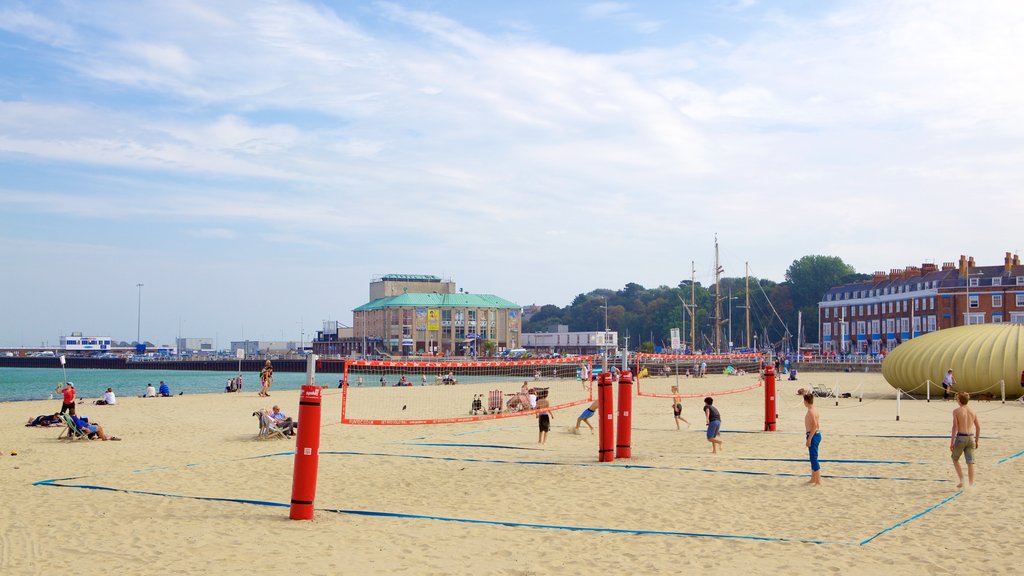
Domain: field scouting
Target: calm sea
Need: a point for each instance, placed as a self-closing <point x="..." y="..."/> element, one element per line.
<point x="38" y="383"/>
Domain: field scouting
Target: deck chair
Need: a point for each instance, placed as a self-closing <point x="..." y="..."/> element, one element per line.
<point x="821" y="391"/>
<point x="71" y="432"/>
<point x="268" y="429"/>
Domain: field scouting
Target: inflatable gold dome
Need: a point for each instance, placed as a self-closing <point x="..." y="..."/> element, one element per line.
<point x="980" y="356"/>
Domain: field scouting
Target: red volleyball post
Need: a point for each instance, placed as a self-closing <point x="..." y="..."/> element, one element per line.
<point x="769" y="398"/>
<point x="307" y="446"/>
<point x="625" y="421"/>
<point x="606" y="425"/>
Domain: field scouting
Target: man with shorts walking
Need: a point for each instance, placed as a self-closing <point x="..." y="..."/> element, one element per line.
<point x="713" y="419"/>
<point x="812" y="424"/>
<point x="964" y="420"/>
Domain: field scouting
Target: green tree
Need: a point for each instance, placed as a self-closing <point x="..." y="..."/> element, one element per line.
<point x="808" y="279"/>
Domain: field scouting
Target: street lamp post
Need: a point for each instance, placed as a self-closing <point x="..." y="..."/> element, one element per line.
<point x="138" y="323"/>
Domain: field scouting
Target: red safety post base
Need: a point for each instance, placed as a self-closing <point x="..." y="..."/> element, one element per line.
<point x="625" y="416"/>
<point x="606" y="425"/>
<point x="307" y="454"/>
<point x="769" y="398"/>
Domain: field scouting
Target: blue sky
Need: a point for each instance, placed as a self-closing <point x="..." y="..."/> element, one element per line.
<point x="255" y="164"/>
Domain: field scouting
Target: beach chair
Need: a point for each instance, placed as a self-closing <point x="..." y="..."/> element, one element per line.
<point x="821" y="391"/>
<point x="70" y="431"/>
<point x="268" y="429"/>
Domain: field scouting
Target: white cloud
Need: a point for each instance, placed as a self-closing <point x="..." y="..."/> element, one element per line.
<point x="438" y="143"/>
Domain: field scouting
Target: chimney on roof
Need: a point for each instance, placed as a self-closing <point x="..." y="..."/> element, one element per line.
<point x="948" y="266"/>
<point x="970" y="262"/>
<point x="963" y="266"/>
<point x="927" y="268"/>
<point x="1007" y="262"/>
<point x="877" y="277"/>
<point x="894" y="273"/>
<point x="1016" y="260"/>
<point x="911" y="272"/>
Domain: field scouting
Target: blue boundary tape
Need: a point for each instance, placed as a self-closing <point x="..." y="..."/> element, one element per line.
<point x="1008" y="458"/>
<point x="836" y="461"/>
<point x="61" y="483"/>
<point x="446" y="444"/>
<point x="629" y="466"/>
<point x="511" y="524"/>
<point x="914" y="517"/>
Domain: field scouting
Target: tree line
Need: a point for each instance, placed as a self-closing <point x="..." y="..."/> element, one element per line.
<point x="646" y="315"/>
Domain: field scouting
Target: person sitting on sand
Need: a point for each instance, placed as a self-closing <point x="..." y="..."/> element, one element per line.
<point x="92" y="430"/>
<point x="150" y="391"/>
<point x="165" y="390"/>
<point x="108" y="398"/>
<point x="46" y="420"/>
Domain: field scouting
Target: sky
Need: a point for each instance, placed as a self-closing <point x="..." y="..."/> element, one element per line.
<point x="254" y="164"/>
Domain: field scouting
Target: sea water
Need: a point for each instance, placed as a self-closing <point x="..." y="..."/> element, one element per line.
<point x="39" y="383"/>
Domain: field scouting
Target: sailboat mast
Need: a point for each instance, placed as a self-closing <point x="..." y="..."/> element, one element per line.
<point x="693" y="304"/>
<point x="718" y="302"/>
<point x="746" y="267"/>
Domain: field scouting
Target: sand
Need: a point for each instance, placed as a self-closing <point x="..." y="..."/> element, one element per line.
<point x="746" y="510"/>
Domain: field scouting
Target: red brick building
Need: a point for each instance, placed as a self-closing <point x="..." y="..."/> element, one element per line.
<point x="878" y="314"/>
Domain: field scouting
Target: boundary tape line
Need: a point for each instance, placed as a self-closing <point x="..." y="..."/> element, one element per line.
<point x="61" y="483"/>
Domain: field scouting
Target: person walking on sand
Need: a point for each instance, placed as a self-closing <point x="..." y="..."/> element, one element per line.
<point x="948" y="383"/>
<point x="68" y="391"/>
<point x="266" y="379"/>
<point x="677" y="407"/>
<point x="713" y="419"/>
<point x="964" y="420"/>
<point x="585" y="417"/>
<point x="812" y="424"/>
<point x="544" y="418"/>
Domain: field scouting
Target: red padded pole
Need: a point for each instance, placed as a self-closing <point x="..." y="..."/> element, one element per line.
<point x="769" y="398"/>
<point x="307" y="447"/>
<point x="625" y="416"/>
<point x="606" y="425"/>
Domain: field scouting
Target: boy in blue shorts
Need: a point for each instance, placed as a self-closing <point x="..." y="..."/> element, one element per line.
<point x="713" y="419"/>
<point x="585" y="417"/>
<point x="812" y="424"/>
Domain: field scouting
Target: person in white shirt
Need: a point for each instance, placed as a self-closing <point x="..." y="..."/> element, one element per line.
<point x="108" y="398"/>
<point x="150" y="391"/>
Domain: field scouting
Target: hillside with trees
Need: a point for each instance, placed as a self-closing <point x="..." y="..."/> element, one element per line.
<point x="646" y="315"/>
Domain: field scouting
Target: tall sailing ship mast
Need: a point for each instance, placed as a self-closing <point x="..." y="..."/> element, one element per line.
<point x="718" y="302"/>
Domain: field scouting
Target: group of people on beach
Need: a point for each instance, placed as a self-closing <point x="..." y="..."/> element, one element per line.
<point x="964" y="440"/>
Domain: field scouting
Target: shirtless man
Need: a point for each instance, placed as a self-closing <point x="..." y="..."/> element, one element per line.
<point x="963" y="420"/>
<point x="677" y="407"/>
<point x="812" y="424"/>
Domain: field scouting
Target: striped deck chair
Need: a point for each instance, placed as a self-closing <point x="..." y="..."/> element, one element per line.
<point x="71" y="432"/>
<point x="268" y="428"/>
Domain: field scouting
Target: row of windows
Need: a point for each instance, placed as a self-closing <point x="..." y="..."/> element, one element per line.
<point x="854" y="294"/>
<point x="974" y="301"/>
<point x="851" y="329"/>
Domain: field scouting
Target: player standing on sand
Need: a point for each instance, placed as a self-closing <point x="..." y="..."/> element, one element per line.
<point x="677" y="407"/>
<point x="812" y="424"/>
<point x="713" y="419"/>
<point x="964" y="419"/>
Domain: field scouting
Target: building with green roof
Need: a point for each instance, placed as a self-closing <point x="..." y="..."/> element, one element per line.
<point x="418" y="314"/>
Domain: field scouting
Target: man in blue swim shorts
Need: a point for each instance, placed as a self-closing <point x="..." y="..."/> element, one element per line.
<point x="714" y="421"/>
<point x="812" y="423"/>
<point x="585" y="417"/>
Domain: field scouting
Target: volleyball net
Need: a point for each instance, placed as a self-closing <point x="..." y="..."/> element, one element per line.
<point x="696" y="375"/>
<point x="381" y="392"/>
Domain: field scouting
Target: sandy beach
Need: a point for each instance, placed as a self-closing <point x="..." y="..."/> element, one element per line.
<point x="888" y="502"/>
